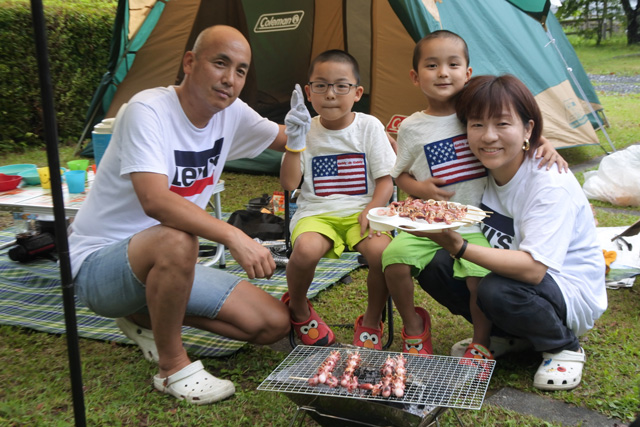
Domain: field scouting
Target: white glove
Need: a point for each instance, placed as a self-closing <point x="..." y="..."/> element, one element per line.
<point x="298" y="122"/>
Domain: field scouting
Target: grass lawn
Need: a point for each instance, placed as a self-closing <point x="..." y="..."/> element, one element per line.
<point x="34" y="372"/>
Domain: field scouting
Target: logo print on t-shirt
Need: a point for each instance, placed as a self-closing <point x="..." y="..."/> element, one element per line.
<point x="498" y="229"/>
<point x="194" y="170"/>
<point x="339" y="174"/>
<point x="452" y="160"/>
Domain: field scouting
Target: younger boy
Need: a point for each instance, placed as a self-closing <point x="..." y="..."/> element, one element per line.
<point x="344" y="164"/>
<point x="433" y="152"/>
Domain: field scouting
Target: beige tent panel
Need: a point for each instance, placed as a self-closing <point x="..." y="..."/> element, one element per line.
<point x="565" y="121"/>
<point x="359" y="38"/>
<point x="329" y="17"/>
<point x="138" y="11"/>
<point x="162" y="53"/>
<point x="392" y="91"/>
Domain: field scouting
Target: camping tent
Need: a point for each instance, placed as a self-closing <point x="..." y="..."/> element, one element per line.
<point x="150" y="38"/>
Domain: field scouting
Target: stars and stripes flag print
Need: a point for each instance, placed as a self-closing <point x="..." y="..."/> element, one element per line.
<point x="452" y="160"/>
<point x="339" y="174"/>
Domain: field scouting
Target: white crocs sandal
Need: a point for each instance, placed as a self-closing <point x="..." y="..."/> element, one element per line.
<point x="195" y="385"/>
<point x="499" y="346"/>
<point x="560" y="371"/>
<point x="141" y="336"/>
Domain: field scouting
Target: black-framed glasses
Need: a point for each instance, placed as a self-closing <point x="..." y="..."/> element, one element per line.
<point x="338" y="88"/>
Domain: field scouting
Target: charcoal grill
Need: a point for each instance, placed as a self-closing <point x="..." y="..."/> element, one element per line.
<point x="434" y="383"/>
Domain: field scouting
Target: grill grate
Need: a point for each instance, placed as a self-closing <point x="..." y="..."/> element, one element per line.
<point x="434" y="380"/>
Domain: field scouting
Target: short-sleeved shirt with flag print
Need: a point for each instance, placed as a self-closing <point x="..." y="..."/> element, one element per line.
<point x="340" y="167"/>
<point x="437" y="146"/>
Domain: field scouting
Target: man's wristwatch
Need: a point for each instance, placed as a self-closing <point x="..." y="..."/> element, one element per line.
<point x="461" y="251"/>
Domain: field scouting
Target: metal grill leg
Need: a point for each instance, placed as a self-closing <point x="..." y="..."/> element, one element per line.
<point x="295" y="416"/>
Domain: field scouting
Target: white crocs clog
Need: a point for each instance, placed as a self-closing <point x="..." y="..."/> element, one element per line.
<point x="195" y="385"/>
<point x="141" y="336"/>
<point x="560" y="371"/>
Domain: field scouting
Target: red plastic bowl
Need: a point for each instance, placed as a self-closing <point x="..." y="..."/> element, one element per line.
<point x="9" y="182"/>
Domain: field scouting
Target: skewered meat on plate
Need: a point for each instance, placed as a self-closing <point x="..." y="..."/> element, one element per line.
<point x="430" y="210"/>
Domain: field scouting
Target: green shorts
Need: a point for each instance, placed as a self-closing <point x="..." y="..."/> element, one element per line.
<point x="417" y="252"/>
<point x="342" y="231"/>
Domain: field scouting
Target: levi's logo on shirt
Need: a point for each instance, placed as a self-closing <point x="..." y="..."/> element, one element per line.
<point x="194" y="170"/>
<point x="498" y="229"/>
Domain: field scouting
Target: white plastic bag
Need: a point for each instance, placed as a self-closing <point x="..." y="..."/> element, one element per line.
<point x="617" y="180"/>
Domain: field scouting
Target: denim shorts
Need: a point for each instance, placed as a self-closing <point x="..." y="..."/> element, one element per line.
<point x="106" y="285"/>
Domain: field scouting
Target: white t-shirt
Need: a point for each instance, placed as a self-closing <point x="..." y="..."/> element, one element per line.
<point x="340" y="167"/>
<point x="546" y="214"/>
<point x="437" y="146"/>
<point x="154" y="135"/>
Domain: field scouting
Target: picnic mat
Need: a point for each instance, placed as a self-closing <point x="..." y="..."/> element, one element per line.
<point x="31" y="296"/>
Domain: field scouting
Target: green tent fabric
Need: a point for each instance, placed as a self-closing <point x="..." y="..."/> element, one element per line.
<point x="504" y="36"/>
<point x="538" y="9"/>
<point x="502" y="40"/>
<point x="121" y="58"/>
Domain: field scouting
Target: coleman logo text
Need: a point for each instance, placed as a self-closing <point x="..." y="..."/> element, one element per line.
<point x="283" y="21"/>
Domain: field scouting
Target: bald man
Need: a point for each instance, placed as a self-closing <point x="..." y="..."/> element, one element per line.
<point x="134" y="242"/>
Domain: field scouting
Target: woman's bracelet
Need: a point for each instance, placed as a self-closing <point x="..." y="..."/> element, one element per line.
<point x="461" y="251"/>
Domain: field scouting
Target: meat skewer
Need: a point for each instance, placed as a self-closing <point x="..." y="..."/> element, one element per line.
<point x="400" y="376"/>
<point x="393" y="380"/>
<point x="348" y="380"/>
<point x="324" y="375"/>
<point x="431" y="211"/>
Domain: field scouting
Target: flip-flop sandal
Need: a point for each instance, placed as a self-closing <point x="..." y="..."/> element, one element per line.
<point x="141" y="336"/>
<point x="195" y="385"/>
<point x="560" y="371"/>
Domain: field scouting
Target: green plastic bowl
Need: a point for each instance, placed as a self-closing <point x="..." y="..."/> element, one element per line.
<point x="30" y="176"/>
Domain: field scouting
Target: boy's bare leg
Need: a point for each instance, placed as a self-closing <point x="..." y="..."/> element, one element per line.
<point x="481" y="325"/>
<point x="377" y="291"/>
<point x="400" y="284"/>
<point x="307" y="251"/>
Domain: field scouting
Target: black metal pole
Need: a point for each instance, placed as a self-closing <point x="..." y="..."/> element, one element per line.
<point x="62" y="245"/>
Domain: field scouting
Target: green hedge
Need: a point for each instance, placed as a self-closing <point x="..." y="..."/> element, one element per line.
<point x="79" y="36"/>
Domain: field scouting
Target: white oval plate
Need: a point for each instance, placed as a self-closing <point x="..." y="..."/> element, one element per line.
<point x="387" y="223"/>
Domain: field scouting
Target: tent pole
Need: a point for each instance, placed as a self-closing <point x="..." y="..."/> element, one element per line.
<point x="552" y="41"/>
<point x="62" y="244"/>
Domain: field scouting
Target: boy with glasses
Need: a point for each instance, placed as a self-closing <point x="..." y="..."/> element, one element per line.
<point x="344" y="160"/>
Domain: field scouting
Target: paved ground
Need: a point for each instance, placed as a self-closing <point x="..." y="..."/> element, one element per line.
<point x="615" y="84"/>
<point x="549" y="410"/>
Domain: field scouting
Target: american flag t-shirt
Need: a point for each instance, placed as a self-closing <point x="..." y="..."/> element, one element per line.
<point x="452" y="160"/>
<point x="339" y="174"/>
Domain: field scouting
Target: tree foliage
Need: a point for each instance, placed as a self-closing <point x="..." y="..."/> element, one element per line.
<point x="633" y="21"/>
<point x="599" y="12"/>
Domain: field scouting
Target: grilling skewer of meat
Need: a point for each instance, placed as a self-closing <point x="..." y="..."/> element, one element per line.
<point x="324" y="374"/>
<point x="393" y="380"/>
<point x="348" y="380"/>
<point x="400" y="376"/>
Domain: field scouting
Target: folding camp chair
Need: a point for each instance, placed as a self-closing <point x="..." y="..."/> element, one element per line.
<point x="387" y="313"/>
